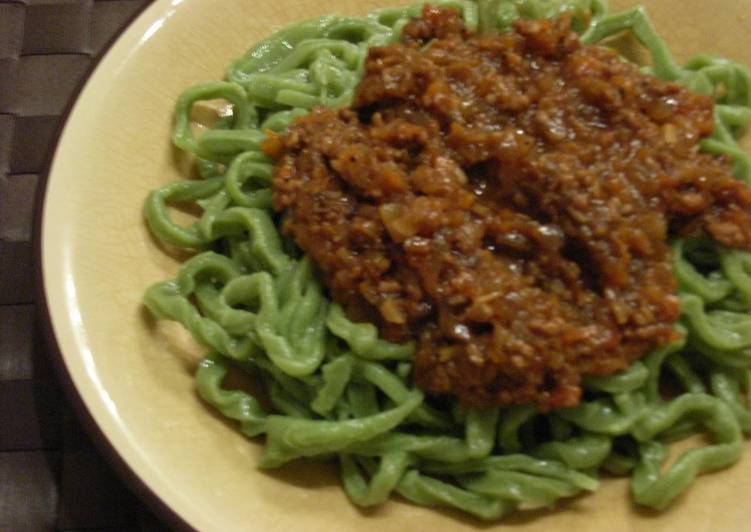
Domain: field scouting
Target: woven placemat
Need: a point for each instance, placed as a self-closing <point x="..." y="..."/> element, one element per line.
<point x="51" y="477"/>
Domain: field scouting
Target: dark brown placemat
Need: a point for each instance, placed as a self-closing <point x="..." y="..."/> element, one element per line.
<point x="51" y="477"/>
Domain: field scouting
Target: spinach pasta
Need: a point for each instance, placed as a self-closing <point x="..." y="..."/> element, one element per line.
<point x="340" y="391"/>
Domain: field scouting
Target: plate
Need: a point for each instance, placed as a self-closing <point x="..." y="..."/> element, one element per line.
<point x="134" y="377"/>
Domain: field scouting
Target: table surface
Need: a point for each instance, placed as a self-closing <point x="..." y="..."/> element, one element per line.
<point x="51" y="475"/>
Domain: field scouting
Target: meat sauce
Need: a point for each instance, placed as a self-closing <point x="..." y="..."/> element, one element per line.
<point x="505" y="201"/>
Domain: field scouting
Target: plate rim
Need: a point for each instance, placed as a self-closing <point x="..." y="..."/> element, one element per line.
<point x="135" y="483"/>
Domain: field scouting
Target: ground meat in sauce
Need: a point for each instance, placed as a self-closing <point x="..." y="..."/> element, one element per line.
<point x="505" y="201"/>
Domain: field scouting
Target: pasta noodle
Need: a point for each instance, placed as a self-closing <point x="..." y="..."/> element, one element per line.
<point x="339" y="391"/>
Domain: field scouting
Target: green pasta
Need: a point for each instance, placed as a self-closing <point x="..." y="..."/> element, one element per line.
<point x="339" y="391"/>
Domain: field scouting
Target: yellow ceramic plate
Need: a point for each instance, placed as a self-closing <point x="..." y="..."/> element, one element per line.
<point x="135" y="377"/>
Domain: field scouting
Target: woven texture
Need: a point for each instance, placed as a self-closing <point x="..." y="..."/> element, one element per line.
<point x="51" y="477"/>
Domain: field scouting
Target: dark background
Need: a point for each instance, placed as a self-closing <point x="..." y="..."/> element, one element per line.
<point x="51" y="475"/>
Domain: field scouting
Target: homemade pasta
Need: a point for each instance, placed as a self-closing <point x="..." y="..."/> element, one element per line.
<point x="339" y="391"/>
